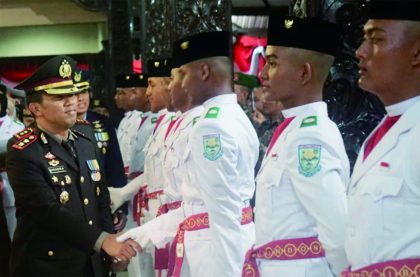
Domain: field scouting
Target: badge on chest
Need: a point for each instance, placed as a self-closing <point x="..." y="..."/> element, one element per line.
<point x="94" y="169"/>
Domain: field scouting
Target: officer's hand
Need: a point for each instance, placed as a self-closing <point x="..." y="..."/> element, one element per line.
<point x="119" y="267"/>
<point x="131" y="234"/>
<point x="116" y="198"/>
<point x="121" y="252"/>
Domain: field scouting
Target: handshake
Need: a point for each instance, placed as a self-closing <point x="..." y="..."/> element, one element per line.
<point x="120" y="251"/>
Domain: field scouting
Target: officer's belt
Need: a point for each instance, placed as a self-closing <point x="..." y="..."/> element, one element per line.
<point x="396" y="268"/>
<point x="287" y="249"/>
<point x="141" y="201"/>
<point x="193" y="223"/>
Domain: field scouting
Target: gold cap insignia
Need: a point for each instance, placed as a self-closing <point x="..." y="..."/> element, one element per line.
<point x="288" y="23"/>
<point x="77" y="76"/>
<point x="184" y="45"/>
<point x="127" y="77"/>
<point x="65" y="69"/>
<point x="141" y="77"/>
<point x="156" y="64"/>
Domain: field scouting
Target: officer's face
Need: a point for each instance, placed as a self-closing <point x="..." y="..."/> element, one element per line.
<point x="179" y="97"/>
<point x="384" y="58"/>
<point x="280" y="75"/>
<point x="82" y="102"/>
<point x="56" y="113"/>
<point x="158" y="94"/>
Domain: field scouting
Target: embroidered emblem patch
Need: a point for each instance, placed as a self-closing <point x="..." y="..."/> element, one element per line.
<point x="212" y="112"/>
<point x="212" y="147"/>
<point x="309" y="158"/>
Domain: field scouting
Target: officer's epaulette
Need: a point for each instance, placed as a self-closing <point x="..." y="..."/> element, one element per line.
<point x="82" y="121"/>
<point x="309" y="121"/>
<point x="24" y="133"/>
<point x="78" y="133"/>
<point x="213" y="112"/>
<point x="25" y="141"/>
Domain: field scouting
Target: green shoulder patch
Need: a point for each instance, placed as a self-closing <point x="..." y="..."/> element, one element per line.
<point x="213" y="112"/>
<point x="195" y="119"/>
<point x="309" y="159"/>
<point x="309" y="121"/>
<point x="154" y="119"/>
<point x="212" y="147"/>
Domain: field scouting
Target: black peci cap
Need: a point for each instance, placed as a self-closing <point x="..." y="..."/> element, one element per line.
<point x="81" y="80"/>
<point x="131" y="80"/>
<point x="202" y="45"/>
<point x="159" y="67"/>
<point x="394" y="10"/>
<point x="304" y="33"/>
<point x="53" y="77"/>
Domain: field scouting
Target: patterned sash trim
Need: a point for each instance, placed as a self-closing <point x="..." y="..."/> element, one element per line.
<point x="396" y="268"/>
<point x="141" y="201"/>
<point x="287" y="249"/>
<point x="193" y="223"/>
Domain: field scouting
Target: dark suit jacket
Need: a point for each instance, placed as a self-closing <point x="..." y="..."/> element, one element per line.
<point x="4" y="242"/>
<point x="55" y="237"/>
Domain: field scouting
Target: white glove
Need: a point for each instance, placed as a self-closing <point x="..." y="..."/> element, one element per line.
<point x="139" y="235"/>
<point x="120" y="195"/>
<point x="116" y="198"/>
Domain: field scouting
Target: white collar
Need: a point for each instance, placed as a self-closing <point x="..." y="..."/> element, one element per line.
<point x="315" y="107"/>
<point x="224" y="98"/>
<point x="401" y="107"/>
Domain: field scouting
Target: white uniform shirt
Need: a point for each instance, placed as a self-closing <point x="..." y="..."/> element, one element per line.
<point x="175" y="145"/>
<point x="153" y="167"/>
<point x="384" y="194"/>
<point x="224" y="181"/>
<point x="221" y="157"/>
<point x="126" y="136"/>
<point x="292" y="202"/>
<point x="8" y="128"/>
<point x="144" y="131"/>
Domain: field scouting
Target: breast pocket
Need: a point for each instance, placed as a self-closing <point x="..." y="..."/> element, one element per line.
<point x="378" y="202"/>
<point x="268" y="186"/>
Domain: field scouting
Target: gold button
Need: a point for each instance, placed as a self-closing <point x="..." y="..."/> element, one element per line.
<point x="50" y="253"/>
<point x="82" y="179"/>
<point x="86" y="201"/>
<point x="90" y="222"/>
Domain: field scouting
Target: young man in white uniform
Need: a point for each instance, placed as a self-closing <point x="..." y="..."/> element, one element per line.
<point x="300" y="201"/>
<point x="215" y="219"/>
<point x="383" y="235"/>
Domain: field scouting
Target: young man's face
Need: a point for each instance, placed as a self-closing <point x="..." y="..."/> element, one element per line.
<point x="280" y="75"/>
<point x="384" y="56"/>
<point x="179" y="97"/>
<point x="192" y="81"/>
<point x="140" y="99"/>
<point x="56" y="113"/>
<point x="157" y="93"/>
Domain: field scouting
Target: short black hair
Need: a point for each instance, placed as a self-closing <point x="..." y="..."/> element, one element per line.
<point x="34" y="97"/>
